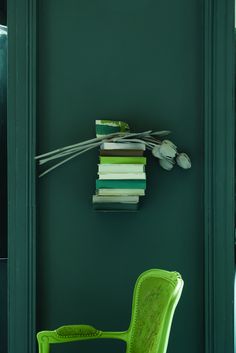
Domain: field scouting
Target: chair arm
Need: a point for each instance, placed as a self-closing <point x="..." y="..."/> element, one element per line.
<point x="71" y="333"/>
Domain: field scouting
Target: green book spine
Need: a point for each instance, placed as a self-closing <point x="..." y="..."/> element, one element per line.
<point x="115" y="206"/>
<point x="120" y="184"/>
<point x="122" y="160"/>
<point x="106" y="130"/>
<point x="105" y="127"/>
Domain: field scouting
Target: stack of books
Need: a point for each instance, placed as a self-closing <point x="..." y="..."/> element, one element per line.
<point x="121" y="176"/>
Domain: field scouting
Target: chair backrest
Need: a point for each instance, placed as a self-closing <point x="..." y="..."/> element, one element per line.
<point x="156" y="295"/>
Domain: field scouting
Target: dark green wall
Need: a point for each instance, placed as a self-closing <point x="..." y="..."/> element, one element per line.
<point x="3" y="305"/>
<point x="138" y="61"/>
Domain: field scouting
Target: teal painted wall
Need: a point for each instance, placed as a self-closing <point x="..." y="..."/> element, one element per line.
<point x="138" y="61"/>
<point x="3" y="305"/>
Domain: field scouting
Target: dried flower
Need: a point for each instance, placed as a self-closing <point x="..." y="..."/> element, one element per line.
<point x="183" y="161"/>
<point x="165" y="150"/>
<point x="156" y="152"/>
<point x="167" y="164"/>
<point x="168" y="149"/>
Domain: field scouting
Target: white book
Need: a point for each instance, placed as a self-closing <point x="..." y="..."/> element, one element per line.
<point x="121" y="168"/>
<point x="122" y="176"/>
<point x="123" y="146"/>
<point x="121" y="199"/>
<point x="121" y="192"/>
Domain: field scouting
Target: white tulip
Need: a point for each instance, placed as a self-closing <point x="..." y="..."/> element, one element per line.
<point x="156" y="152"/>
<point x="183" y="161"/>
<point x="168" y="149"/>
<point x="166" y="164"/>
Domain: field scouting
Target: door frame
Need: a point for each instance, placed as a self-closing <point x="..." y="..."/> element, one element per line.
<point x="219" y="175"/>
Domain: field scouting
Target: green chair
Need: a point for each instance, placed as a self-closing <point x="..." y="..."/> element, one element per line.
<point x="156" y="295"/>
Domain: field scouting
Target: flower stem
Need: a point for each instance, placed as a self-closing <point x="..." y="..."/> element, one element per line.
<point x="64" y="161"/>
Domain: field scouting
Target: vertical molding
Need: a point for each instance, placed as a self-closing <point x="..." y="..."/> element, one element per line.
<point x="21" y="175"/>
<point x="219" y="175"/>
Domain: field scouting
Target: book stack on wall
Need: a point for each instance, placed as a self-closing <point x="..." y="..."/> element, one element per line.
<point x="121" y="176"/>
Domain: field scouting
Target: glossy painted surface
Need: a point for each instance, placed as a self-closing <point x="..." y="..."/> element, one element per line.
<point x="134" y="61"/>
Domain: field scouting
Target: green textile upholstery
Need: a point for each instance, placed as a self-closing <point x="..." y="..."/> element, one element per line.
<point x="77" y="330"/>
<point x="153" y="300"/>
<point x="156" y="295"/>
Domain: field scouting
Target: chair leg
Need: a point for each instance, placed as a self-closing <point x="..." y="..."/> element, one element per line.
<point x="43" y="344"/>
<point x="44" y="348"/>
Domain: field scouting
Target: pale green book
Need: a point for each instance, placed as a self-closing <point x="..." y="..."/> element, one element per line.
<point x="121" y="168"/>
<point x="122" y="176"/>
<point x="122" y="160"/>
<point x="115" y="199"/>
<point x="120" y="192"/>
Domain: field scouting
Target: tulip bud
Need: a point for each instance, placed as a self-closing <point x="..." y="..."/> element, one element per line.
<point x="183" y="161"/>
<point x="168" y="149"/>
<point x="156" y="152"/>
<point x="166" y="164"/>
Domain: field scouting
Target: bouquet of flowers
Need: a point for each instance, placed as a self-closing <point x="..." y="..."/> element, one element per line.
<point x="118" y="131"/>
